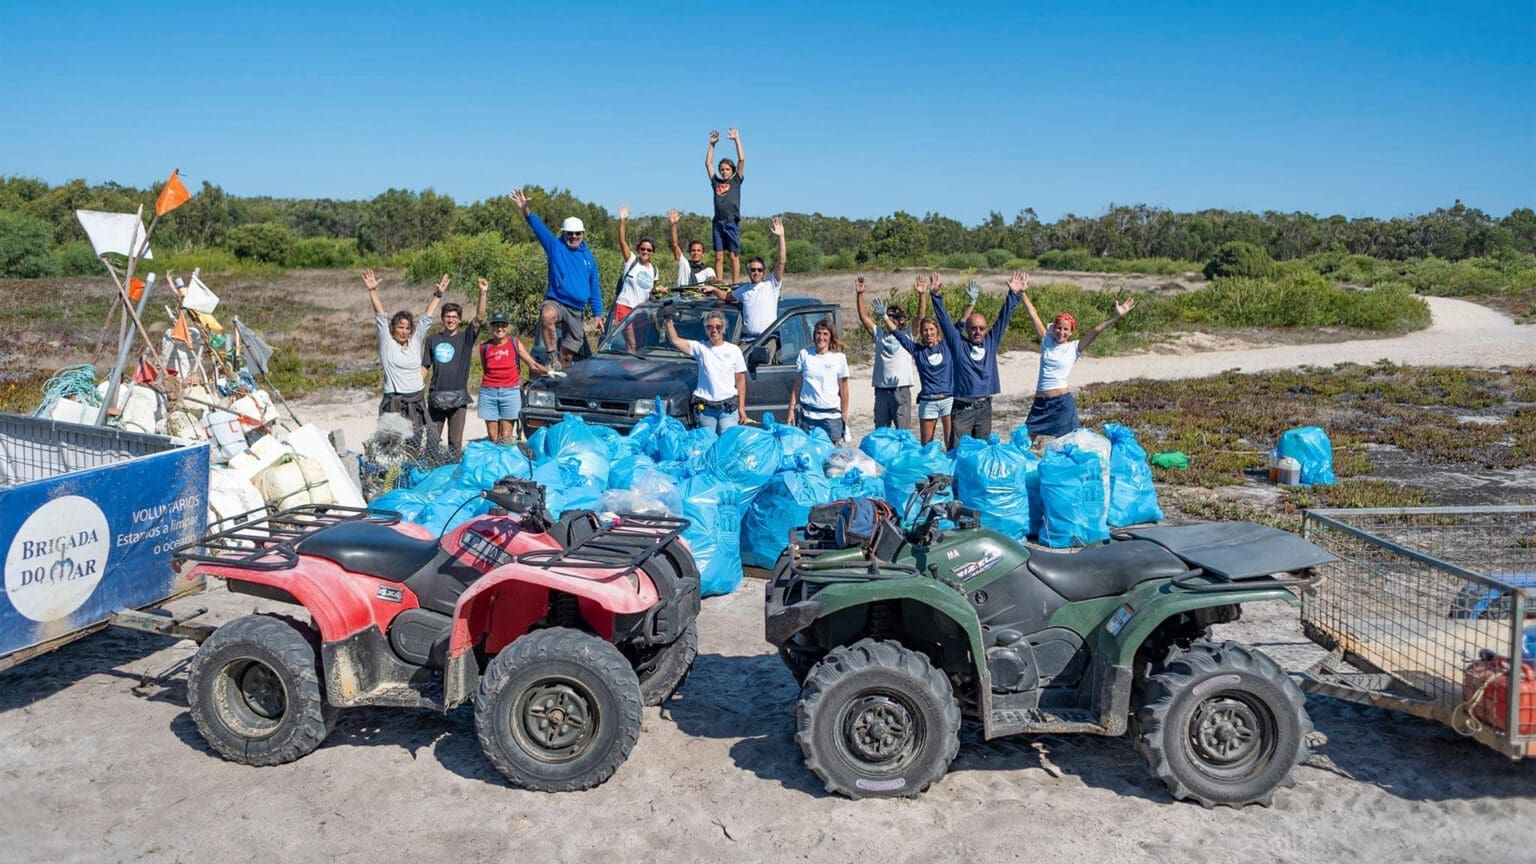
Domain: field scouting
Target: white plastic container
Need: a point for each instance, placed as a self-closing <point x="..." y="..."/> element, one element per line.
<point x="229" y="495"/>
<point x="1288" y="471"/>
<point x="226" y="434"/>
<point x="69" y="411"/>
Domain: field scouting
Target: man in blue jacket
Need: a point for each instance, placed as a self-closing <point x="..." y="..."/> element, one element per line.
<point x="975" y="351"/>
<point x="573" y="284"/>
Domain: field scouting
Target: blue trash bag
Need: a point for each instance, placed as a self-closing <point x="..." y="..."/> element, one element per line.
<point x="783" y="504"/>
<point x="714" y="512"/>
<point x="565" y="487"/>
<point x="1132" y="497"/>
<point x="689" y="445"/>
<point x="438" y="479"/>
<point x="911" y="467"/>
<point x="994" y="481"/>
<point x="572" y="439"/>
<point x="407" y="502"/>
<point x="617" y="444"/>
<point x="967" y="445"/>
<point x="484" y="463"/>
<point x="1020" y="437"/>
<point x="1072" y="498"/>
<point x="884" y="445"/>
<point x="791" y="440"/>
<point x="622" y="474"/>
<point x="857" y="484"/>
<point x="746" y="457"/>
<point x="452" y="508"/>
<point x="649" y="493"/>
<point x="1310" y="446"/>
<point x="649" y="431"/>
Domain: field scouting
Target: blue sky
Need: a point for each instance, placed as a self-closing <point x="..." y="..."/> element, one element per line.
<point x="855" y="109"/>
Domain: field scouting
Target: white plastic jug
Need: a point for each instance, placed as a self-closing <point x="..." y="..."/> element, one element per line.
<point x="226" y="433"/>
<point x="1289" y="471"/>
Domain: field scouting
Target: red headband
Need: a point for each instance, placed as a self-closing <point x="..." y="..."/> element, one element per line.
<point x="1067" y="317"/>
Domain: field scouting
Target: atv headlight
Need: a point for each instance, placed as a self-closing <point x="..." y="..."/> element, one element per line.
<point x="643" y="407"/>
<point x="541" y="399"/>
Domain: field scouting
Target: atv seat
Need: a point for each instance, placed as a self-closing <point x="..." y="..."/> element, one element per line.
<point x="1104" y="571"/>
<point x="365" y="547"/>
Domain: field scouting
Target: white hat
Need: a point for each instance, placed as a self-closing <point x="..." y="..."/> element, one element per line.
<point x="572" y="225"/>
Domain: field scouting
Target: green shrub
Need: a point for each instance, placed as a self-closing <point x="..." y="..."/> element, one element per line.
<point x="1070" y="259"/>
<point x="1240" y="259"/>
<point x="1302" y="300"/>
<point x="754" y="244"/>
<point x="25" y="246"/>
<point x="998" y="257"/>
<point x="803" y="256"/>
<point x="77" y="259"/>
<point x="267" y="242"/>
<point x="323" y="252"/>
<point x="844" y="260"/>
<point x="965" y="261"/>
<point x="210" y="260"/>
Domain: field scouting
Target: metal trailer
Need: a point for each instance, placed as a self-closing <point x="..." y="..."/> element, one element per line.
<point x="1423" y="613"/>
<point x="89" y="517"/>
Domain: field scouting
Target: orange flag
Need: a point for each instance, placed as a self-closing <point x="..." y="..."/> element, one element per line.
<point x="180" y="330"/>
<point x="135" y="289"/>
<point x="172" y="196"/>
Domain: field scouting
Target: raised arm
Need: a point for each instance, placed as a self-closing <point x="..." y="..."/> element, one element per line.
<point x="437" y="297"/>
<point x="922" y="297"/>
<point x="864" y="318"/>
<point x="623" y="242"/>
<point x="372" y="282"/>
<point x="777" y="228"/>
<point x="946" y="326"/>
<point x="682" y="345"/>
<point x="709" y="155"/>
<point x="741" y="156"/>
<point x="972" y="291"/>
<point x="673" y="217"/>
<point x="540" y="230"/>
<point x="1010" y="303"/>
<point x="1021" y="279"/>
<point x="480" y="305"/>
<point x="1120" y="310"/>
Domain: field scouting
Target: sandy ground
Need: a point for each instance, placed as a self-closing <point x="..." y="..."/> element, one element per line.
<point x="101" y="761"/>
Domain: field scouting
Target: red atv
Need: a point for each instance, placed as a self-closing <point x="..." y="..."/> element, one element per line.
<point x="558" y="631"/>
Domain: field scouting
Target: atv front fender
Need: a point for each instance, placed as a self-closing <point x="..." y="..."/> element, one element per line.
<point x="934" y="598"/>
<point x="502" y="604"/>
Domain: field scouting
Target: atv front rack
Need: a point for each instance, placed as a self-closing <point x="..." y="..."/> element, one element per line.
<point x="624" y="546"/>
<point x="269" y="543"/>
<point x="805" y="551"/>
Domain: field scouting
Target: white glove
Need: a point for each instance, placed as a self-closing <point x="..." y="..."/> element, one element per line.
<point x="879" y="307"/>
<point x="973" y="290"/>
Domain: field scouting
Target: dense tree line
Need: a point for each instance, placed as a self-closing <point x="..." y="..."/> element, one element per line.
<point x="39" y="234"/>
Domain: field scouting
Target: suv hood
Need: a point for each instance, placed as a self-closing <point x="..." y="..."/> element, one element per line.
<point x="623" y="377"/>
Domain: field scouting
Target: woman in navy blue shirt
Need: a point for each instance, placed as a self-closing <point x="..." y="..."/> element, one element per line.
<point x="935" y="373"/>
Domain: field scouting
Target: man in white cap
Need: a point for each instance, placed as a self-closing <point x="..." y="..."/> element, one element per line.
<point x="573" y="284"/>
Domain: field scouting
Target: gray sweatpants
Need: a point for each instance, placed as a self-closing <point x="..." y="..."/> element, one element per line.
<point x="893" y="407"/>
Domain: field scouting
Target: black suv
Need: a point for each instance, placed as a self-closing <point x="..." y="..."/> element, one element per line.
<point x="634" y="364"/>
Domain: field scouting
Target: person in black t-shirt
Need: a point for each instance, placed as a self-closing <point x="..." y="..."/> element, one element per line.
<point x="727" y="189"/>
<point x="447" y="354"/>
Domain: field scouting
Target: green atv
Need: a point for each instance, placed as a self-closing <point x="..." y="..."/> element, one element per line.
<point x="898" y="636"/>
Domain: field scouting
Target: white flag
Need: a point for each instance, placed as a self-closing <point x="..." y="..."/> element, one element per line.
<point x="122" y="233"/>
<point x="198" y="298"/>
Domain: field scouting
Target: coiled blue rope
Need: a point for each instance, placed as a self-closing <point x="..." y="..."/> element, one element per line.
<point x="72" y="382"/>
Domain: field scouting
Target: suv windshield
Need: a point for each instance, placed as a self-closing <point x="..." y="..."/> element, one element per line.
<point x="641" y="334"/>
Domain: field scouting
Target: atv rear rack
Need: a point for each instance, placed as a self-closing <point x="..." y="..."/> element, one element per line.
<point x="268" y="543"/>
<point x="625" y="545"/>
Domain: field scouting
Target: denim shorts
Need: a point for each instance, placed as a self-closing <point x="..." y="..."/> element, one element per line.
<point x="499" y="403"/>
<point x="727" y="236"/>
<point x="933" y="409"/>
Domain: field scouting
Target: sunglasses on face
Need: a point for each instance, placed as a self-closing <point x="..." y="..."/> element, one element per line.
<point x="714" y="326"/>
<point x="646" y="249"/>
<point x="754" y="269"/>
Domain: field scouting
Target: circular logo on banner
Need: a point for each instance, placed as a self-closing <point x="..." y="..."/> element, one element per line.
<point x="443" y="352"/>
<point x="57" y="558"/>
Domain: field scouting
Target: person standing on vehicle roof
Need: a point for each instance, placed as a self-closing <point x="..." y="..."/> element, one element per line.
<point x="573" y="284"/>
<point x="690" y="270"/>
<point x="400" y="340"/>
<point x="720" y="399"/>
<point x="1054" y="411"/>
<point x="759" y="297"/>
<point x="637" y="281"/>
<point x="893" y="373"/>
<point x="726" y="227"/>
<point x="447" y="354"/>
<point x="501" y="396"/>
<point x="975" y="352"/>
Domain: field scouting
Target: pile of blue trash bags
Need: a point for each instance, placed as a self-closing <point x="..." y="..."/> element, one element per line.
<point x="743" y="491"/>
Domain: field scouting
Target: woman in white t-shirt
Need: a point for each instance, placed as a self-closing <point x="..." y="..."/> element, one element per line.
<point x="638" y="279"/>
<point x="1054" y="411"/>
<point x="820" y="395"/>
